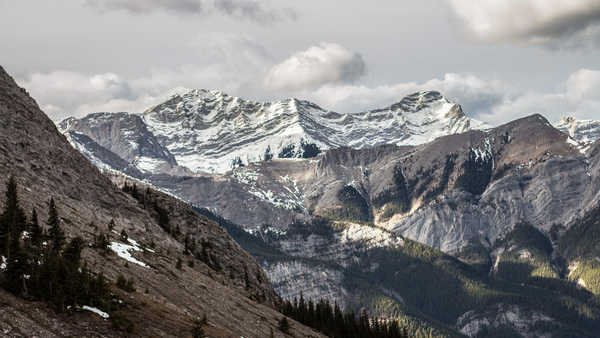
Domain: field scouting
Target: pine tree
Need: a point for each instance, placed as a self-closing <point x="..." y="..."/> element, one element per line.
<point x="12" y="220"/>
<point x="111" y="225"/>
<point x="16" y="268"/>
<point x="57" y="236"/>
<point x="36" y="231"/>
<point x="197" y="330"/>
<point x="124" y="236"/>
<point x="284" y="325"/>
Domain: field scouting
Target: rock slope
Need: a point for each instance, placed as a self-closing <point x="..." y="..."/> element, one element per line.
<point x="168" y="300"/>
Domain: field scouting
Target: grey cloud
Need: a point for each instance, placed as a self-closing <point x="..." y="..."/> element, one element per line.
<point x="234" y="62"/>
<point x="253" y="10"/>
<point x="147" y="6"/>
<point x="242" y="9"/>
<point x="554" y="24"/>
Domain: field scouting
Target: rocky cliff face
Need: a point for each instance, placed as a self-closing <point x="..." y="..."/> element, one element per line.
<point x="168" y="300"/>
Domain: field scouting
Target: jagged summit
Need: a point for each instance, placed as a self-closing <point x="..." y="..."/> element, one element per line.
<point x="417" y="101"/>
<point x="211" y="131"/>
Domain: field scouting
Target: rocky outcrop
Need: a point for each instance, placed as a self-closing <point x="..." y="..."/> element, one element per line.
<point x="505" y="320"/>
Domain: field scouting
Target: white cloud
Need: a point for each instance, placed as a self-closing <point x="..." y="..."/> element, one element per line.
<point x="584" y="84"/>
<point x="232" y="65"/>
<point x="551" y="23"/>
<point x="489" y="100"/>
<point x="253" y="10"/>
<point x="474" y="93"/>
<point x="322" y="74"/>
<point x="319" y="65"/>
<point x="60" y="89"/>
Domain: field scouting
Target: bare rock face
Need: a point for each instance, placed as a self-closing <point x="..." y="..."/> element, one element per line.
<point x="507" y="319"/>
<point x="167" y="300"/>
<point x="125" y="135"/>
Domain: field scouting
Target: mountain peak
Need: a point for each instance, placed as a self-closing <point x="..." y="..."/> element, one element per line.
<point x="209" y="130"/>
<point x="417" y="101"/>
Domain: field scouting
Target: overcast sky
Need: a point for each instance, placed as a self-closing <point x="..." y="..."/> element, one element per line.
<point x="500" y="59"/>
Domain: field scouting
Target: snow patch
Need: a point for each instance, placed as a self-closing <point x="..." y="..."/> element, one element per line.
<point x="123" y="251"/>
<point x="96" y="311"/>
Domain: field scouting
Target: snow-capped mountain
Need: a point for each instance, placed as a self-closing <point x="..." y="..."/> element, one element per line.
<point x="584" y="131"/>
<point x="210" y="131"/>
<point x="124" y="134"/>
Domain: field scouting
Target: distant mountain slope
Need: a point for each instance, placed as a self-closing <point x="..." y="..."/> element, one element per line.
<point x="499" y="201"/>
<point x="585" y="132"/>
<point x="462" y="231"/>
<point x="455" y="190"/>
<point x="127" y="136"/>
<point x="213" y="132"/>
<point x="580" y="130"/>
<point x="168" y="300"/>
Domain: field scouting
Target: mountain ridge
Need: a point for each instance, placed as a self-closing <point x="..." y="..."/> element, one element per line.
<point x="211" y="131"/>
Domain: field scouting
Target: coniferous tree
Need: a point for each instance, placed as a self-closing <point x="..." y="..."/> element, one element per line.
<point x="284" y="325"/>
<point x="57" y="236"/>
<point x="124" y="236"/>
<point x="198" y="330"/>
<point x="50" y="274"/>
<point x="111" y="225"/>
<point x="36" y="231"/>
<point x="16" y="268"/>
<point x="12" y="220"/>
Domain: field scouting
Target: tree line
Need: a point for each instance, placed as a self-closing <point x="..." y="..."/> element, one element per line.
<point x="38" y="263"/>
<point x="333" y="322"/>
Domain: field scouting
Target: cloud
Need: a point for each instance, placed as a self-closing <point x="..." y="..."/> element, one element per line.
<point x="584" y="84"/>
<point x="474" y="93"/>
<point x="491" y="101"/>
<point x="549" y="23"/>
<point x="319" y="65"/>
<point x="232" y="64"/>
<point x="241" y="9"/>
<point x="325" y="74"/>
<point x="59" y="89"/>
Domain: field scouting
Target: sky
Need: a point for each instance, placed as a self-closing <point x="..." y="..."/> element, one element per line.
<point x="499" y="59"/>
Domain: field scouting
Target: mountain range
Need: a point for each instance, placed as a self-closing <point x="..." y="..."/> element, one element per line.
<point x="209" y="131"/>
<point x="414" y="211"/>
